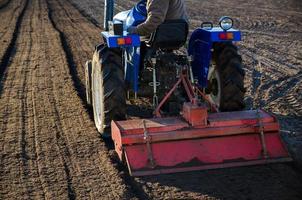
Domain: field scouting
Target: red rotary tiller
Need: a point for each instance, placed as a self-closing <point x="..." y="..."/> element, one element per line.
<point x="197" y="140"/>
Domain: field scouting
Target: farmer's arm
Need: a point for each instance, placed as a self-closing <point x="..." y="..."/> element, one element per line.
<point x="157" y="12"/>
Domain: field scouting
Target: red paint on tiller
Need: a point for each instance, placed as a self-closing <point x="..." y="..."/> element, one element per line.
<point x="198" y="141"/>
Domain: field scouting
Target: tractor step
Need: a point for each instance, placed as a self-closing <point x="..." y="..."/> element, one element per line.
<point x="169" y="145"/>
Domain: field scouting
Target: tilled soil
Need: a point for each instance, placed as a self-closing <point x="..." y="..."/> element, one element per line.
<point x="49" y="146"/>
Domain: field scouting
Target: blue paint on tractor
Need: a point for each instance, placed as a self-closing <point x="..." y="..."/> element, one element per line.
<point x="200" y="45"/>
<point x="131" y="65"/>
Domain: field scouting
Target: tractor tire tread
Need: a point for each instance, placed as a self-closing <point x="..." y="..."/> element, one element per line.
<point x="229" y="64"/>
<point x="114" y="96"/>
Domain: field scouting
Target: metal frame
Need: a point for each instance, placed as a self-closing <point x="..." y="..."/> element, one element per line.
<point x="183" y="79"/>
<point x="191" y="92"/>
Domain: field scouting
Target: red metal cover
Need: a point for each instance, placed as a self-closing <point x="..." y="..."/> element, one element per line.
<point x="168" y="145"/>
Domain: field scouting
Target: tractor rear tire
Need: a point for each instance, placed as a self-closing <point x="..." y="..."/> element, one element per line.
<point x="231" y="77"/>
<point x="88" y="70"/>
<point x="108" y="89"/>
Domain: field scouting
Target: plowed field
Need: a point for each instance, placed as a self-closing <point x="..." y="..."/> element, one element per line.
<point x="49" y="147"/>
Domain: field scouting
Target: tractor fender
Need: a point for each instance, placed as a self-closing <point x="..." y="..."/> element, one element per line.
<point x="200" y="51"/>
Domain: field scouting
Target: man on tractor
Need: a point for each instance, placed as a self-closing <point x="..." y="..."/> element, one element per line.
<point x="184" y="135"/>
<point x="159" y="11"/>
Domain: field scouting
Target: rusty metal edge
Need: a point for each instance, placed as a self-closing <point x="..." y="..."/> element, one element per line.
<point x="208" y="167"/>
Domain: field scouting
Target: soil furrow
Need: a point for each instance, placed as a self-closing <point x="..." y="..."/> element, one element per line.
<point x="9" y="37"/>
<point x="17" y="114"/>
<point x="274" y="84"/>
<point x="86" y="15"/>
<point x="85" y="35"/>
<point x="22" y="95"/>
<point x="4" y="3"/>
<point x="5" y="28"/>
<point x="60" y="141"/>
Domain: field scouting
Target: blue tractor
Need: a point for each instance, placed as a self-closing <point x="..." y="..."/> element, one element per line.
<point x="195" y="95"/>
<point x="129" y="64"/>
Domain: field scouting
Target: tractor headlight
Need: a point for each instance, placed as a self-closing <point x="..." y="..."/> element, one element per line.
<point x="226" y="23"/>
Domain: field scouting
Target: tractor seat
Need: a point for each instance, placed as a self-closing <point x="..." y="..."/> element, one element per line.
<point x="170" y="35"/>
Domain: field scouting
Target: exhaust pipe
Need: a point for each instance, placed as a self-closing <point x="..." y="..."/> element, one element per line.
<point x="108" y="13"/>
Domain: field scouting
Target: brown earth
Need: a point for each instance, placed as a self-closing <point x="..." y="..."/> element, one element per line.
<point x="3" y="3"/>
<point x="10" y="12"/>
<point x="49" y="147"/>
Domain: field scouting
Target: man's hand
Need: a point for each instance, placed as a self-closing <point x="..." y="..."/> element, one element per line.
<point x="132" y="30"/>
